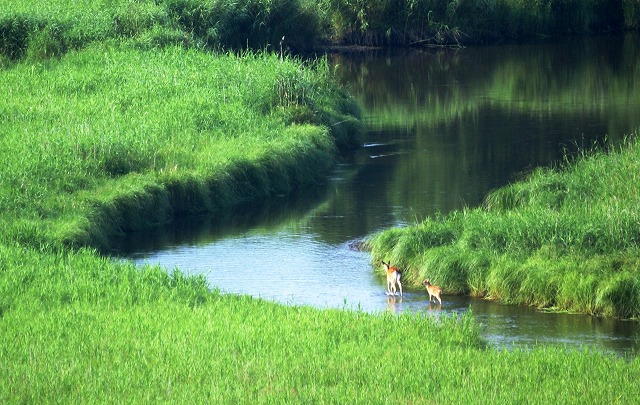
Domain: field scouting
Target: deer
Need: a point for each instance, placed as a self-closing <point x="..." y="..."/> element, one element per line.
<point x="393" y="277"/>
<point x="433" y="290"/>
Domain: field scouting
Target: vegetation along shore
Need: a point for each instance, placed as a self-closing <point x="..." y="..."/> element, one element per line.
<point x="120" y="115"/>
<point x="45" y="28"/>
<point x="565" y="238"/>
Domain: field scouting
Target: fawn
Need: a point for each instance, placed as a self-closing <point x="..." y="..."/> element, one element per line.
<point x="433" y="290"/>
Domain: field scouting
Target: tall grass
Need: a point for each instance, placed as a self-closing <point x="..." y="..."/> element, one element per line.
<point x="77" y="327"/>
<point x="450" y="22"/>
<point x="44" y="29"/>
<point x="112" y="138"/>
<point x="567" y="239"/>
<point x="93" y="143"/>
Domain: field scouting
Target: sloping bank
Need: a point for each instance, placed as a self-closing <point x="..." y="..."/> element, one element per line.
<point x="567" y="239"/>
<point x="112" y="139"/>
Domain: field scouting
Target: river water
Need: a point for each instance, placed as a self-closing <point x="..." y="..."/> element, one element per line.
<point x="445" y="128"/>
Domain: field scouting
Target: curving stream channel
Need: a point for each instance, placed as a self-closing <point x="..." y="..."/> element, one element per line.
<point x="445" y="128"/>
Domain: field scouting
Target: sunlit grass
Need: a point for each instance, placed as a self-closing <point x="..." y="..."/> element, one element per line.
<point x="100" y="137"/>
<point x="93" y="141"/>
<point x="80" y="327"/>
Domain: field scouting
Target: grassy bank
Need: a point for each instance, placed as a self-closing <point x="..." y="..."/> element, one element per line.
<point x="111" y="136"/>
<point x="112" y="139"/>
<point x="77" y="327"/>
<point x="43" y="29"/>
<point x="566" y="239"/>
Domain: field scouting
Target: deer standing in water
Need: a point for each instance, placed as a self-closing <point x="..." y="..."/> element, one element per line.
<point x="393" y="278"/>
<point x="433" y="290"/>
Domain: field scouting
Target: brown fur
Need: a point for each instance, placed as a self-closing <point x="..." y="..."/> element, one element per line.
<point x="433" y="290"/>
<point x="393" y="278"/>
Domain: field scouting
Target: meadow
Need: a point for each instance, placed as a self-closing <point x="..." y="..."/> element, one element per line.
<point x="115" y="120"/>
<point x="111" y="139"/>
<point x="77" y="327"/>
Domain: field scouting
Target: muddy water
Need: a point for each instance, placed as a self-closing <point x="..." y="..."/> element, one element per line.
<point x="445" y="127"/>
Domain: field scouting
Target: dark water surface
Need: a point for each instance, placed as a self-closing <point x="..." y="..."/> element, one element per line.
<point x="445" y="128"/>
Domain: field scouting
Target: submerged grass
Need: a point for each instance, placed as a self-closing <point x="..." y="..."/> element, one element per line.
<point x="566" y="239"/>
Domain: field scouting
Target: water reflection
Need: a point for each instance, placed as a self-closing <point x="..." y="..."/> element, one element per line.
<point x="446" y="127"/>
<point x="463" y="122"/>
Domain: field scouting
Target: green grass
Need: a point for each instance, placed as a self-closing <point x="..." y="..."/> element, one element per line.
<point x="100" y="136"/>
<point x="78" y="327"/>
<point x="95" y="141"/>
<point x="44" y="29"/>
<point x="567" y="239"/>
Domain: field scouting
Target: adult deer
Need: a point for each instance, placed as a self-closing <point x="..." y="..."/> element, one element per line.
<point x="393" y="278"/>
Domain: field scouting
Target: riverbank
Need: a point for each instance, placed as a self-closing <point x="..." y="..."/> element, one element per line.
<point x="44" y="29"/>
<point x="111" y="139"/>
<point x="81" y="327"/>
<point x="564" y="239"/>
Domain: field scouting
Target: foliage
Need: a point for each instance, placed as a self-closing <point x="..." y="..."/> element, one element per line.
<point x="43" y="29"/>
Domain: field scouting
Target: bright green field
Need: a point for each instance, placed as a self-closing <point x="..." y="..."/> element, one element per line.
<point x="112" y="139"/>
<point x="79" y="328"/>
<point x="109" y="136"/>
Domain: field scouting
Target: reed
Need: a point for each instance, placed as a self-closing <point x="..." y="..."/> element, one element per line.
<point x="436" y="22"/>
<point x="43" y="29"/>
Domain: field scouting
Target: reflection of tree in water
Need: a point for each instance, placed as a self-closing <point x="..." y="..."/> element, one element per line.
<point x="436" y="86"/>
<point x="451" y="125"/>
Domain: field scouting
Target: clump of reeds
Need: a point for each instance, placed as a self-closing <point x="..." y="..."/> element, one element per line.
<point x="452" y="22"/>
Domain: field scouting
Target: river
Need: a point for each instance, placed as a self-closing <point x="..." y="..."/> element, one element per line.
<point x="445" y="127"/>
